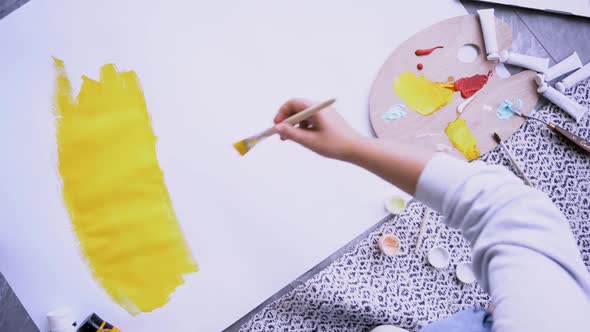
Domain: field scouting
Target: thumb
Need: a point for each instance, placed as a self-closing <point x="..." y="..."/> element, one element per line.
<point x="295" y="134"/>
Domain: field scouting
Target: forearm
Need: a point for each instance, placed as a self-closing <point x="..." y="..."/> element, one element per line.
<point x="521" y="243"/>
<point x="524" y="254"/>
<point x="393" y="162"/>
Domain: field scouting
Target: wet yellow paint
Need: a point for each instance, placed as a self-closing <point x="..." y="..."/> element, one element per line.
<point x="420" y="94"/>
<point x="242" y="147"/>
<point x="114" y="190"/>
<point x="462" y="138"/>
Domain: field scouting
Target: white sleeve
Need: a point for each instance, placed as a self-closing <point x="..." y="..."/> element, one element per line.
<point x="524" y="254"/>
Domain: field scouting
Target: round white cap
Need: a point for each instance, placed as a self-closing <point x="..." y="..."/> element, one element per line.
<point x="493" y="56"/>
<point x="438" y="257"/>
<point x="465" y="273"/>
<point x="540" y="79"/>
<point x="504" y="55"/>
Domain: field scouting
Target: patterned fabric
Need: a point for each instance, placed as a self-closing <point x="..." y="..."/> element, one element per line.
<point x="364" y="288"/>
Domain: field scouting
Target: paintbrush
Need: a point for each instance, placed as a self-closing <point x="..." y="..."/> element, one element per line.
<point x="245" y="145"/>
<point x="577" y="140"/>
<point x="498" y="140"/>
<point x="422" y="228"/>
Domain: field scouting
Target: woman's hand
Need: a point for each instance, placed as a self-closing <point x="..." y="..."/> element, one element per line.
<point x="325" y="133"/>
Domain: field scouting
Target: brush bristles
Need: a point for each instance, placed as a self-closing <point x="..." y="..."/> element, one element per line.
<point x="497" y="138"/>
<point x="241" y="147"/>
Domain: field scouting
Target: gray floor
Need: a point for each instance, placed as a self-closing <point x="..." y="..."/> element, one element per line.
<point x="535" y="33"/>
<point x="8" y="6"/>
<point x="13" y="316"/>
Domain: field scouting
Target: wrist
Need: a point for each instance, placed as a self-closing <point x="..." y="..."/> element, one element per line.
<point x="355" y="148"/>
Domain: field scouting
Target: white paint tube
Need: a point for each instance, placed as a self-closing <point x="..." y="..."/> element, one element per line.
<point x="61" y="320"/>
<point x="565" y="66"/>
<point x="570" y="106"/>
<point x="539" y="65"/>
<point x="488" y="29"/>
<point x="539" y="79"/>
<point x="464" y="104"/>
<point x="575" y="78"/>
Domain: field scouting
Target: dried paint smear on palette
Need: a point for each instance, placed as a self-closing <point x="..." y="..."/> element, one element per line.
<point x="114" y="190"/>
<point x="422" y="95"/>
<point x="425" y="97"/>
<point x="462" y="138"/>
<point x="395" y="112"/>
<point x="506" y="109"/>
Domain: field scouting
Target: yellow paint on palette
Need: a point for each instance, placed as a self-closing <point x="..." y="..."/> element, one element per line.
<point x="420" y="94"/>
<point x="462" y="138"/>
<point x="114" y="190"/>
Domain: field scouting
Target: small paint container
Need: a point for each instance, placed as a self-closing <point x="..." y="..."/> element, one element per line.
<point x="95" y="324"/>
<point x="61" y="320"/>
<point x="389" y="244"/>
<point x="395" y="204"/>
<point x="438" y="257"/>
<point x="465" y="273"/>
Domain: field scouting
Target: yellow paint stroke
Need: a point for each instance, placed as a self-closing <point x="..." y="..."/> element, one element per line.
<point x="422" y="95"/>
<point x="114" y="190"/>
<point x="462" y="138"/>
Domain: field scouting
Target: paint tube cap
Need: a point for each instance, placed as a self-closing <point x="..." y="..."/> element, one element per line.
<point x="493" y="56"/>
<point x="389" y="244"/>
<point x="504" y="55"/>
<point x="560" y="87"/>
<point x="543" y="87"/>
<point x="540" y="79"/>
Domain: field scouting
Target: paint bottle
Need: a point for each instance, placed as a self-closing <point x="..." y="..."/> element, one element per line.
<point x="61" y="320"/>
<point x="96" y="324"/>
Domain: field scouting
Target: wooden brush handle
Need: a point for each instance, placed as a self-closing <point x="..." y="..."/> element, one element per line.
<point x="422" y="227"/>
<point x="577" y="140"/>
<point x="516" y="165"/>
<point x="306" y="113"/>
<point x="298" y="117"/>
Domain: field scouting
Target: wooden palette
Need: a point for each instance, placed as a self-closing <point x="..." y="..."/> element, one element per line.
<point x="440" y="66"/>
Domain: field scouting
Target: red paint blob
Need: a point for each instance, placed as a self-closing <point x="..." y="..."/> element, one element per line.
<point x="470" y="85"/>
<point x="420" y="66"/>
<point x="426" y="51"/>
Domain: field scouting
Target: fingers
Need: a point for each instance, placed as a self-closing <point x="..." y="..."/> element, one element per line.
<point x="301" y="136"/>
<point x="305" y="124"/>
<point x="291" y="107"/>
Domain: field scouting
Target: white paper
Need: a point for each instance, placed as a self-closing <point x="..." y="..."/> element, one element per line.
<point x="213" y="73"/>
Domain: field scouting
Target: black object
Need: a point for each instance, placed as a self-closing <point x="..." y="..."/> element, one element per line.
<point x="94" y="323"/>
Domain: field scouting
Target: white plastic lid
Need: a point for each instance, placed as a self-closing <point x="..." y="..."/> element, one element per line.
<point x="465" y="273"/>
<point x="438" y="257"/>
